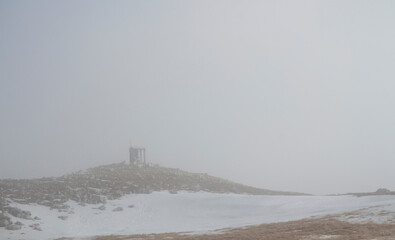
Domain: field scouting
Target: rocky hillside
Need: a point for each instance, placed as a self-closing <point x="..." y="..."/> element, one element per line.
<point x="96" y="185"/>
<point x="380" y="191"/>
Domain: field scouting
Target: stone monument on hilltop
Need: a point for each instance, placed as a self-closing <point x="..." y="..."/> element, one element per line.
<point x="136" y="156"/>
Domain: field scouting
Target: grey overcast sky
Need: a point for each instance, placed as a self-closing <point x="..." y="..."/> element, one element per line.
<point x="284" y="95"/>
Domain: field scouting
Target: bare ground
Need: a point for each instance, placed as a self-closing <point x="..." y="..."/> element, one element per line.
<point x="328" y="227"/>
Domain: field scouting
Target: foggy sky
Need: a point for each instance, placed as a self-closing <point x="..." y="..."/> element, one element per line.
<point x="284" y="95"/>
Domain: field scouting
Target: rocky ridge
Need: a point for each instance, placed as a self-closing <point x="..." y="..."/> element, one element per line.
<point x="96" y="185"/>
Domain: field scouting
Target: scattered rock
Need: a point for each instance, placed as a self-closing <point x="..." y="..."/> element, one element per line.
<point x="117" y="209"/>
<point x="102" y="207"/>
<point x="16" y="212"/>
<point x="63" y="217"/>
<point x="13" y="227"/>
<point x="19" y="223"/>
<point x="4" y="220"/>
<point x="131" y="206"/>
<point x="60" y="207"/>
<point x="143" y="190"/>
<point x="36" y="218"/>
<point x="36" y="227"/>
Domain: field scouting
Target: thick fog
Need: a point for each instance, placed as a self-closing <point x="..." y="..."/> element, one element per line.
<point x="284" y="95"/>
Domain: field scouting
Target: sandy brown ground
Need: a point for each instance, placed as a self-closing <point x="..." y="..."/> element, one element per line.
<point x="328" y="227"/>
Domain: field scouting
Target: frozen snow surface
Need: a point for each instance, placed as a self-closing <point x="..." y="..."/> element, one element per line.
<point x="188" y="212"/>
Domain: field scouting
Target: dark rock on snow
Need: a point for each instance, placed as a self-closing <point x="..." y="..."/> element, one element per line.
<point x="117" y="209"/>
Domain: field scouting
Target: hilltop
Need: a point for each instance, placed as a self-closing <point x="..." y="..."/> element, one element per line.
<point x="99" y="184"/>
<point x="120" y="199"/>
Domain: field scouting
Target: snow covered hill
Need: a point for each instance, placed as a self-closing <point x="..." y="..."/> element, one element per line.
<point x="123" y="199"/>
<point x="105" y="183"/>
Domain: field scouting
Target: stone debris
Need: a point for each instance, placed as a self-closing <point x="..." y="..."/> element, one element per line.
<point x="4" y="220"/>
<point x="117" y="209"/>
<point x="63" y="217"/>
<point x="13" y="227"/>
<point x="16" y="212"/>
<point x="102" y="207"/>
<point x="36" y="227"/>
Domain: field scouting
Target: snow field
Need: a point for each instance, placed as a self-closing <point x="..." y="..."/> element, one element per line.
<point x="185" y="212"/>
